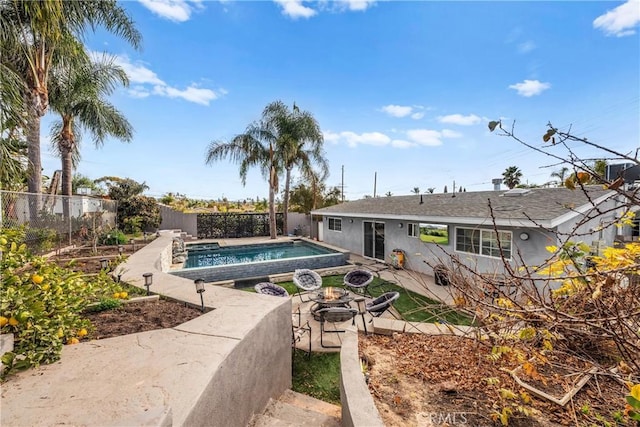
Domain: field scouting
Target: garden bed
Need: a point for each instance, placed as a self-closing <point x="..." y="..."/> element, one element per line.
<point x="447" y="380"/>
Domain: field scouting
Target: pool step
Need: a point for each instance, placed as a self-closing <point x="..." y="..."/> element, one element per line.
<point x="295" y="409"/>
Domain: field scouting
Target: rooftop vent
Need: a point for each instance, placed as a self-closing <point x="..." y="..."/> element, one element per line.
<point x="517" y="192"/>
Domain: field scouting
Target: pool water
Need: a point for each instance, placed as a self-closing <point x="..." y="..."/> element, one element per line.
<point x="197" y="256"/>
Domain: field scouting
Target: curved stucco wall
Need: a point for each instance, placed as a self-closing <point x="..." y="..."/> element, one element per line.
<point x="358" y="408"/>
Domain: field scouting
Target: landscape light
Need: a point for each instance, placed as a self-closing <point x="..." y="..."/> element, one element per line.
<point x="200" y="289"/>
<point x="120" y="249"/>
<point x="148" y="280"/>
<point x="133" y="243"/>
<point x="104" y="264"/>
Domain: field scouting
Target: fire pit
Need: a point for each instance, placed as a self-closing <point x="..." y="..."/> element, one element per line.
<point x="330" y="297"/>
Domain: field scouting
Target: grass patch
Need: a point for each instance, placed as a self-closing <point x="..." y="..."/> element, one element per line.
<point x="318" y="376"/>
<point x="412" y="307"/>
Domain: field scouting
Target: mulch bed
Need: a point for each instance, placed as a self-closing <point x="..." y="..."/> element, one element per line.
<point x="139" y="317"/>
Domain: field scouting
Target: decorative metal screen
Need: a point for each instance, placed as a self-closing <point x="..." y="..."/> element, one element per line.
<point x="52" y="221"/>
<point x="227" y="225"/>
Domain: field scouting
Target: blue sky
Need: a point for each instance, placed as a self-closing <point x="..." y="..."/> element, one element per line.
<point x="403" y="90"/>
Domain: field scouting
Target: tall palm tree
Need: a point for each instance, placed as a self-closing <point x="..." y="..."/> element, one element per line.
<point x="255" y="147"/>
<point x="34" y="34"/>
<point x="77" y="93"/>
<point x="299" y="144"/>
<point x="561" y="175"/>
<point x="512" y="176"/>
<point x="416" y="190"/>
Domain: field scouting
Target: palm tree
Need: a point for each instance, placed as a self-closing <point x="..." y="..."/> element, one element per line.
<point x="299" y="143"/>
<point x="416" y="190"/>
<point x="512" y="176"/>
<point x="77" y="93"/>
<point x="561" y="175"/>
<point x="254" y="147"/>
<point x="34" y="35"/>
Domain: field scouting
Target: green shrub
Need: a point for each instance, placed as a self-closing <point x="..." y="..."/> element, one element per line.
<point x="138" y="213"/>
<point x="104" y="304"/>
<point x="113" y="237"/>
<point x="41" y="303"/>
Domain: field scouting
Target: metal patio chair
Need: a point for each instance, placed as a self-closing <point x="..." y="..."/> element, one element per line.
<point x="334" y="315"/>
<point x="381" y="304"/>
<point x="358" y="281"/>
<point x="298" y="331"/>
<point x="306" y="280"/>
<point x="268" y="288"/>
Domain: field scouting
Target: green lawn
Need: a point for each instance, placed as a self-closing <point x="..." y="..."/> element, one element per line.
<point x="317" y="376"/>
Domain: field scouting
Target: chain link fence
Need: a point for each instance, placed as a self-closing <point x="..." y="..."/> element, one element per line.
<point x="52" y="221"/>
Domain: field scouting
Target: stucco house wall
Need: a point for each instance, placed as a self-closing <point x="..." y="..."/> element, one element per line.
<point x="535" y="218"/>
<point x="420" y="256"/>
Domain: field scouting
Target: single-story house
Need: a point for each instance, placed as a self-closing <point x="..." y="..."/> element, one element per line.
<point x="473" y="225"/>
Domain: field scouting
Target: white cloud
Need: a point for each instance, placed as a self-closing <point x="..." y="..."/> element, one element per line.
<point x="331" y="137"/>
<point x="620" y="21"/>
<point x="447" y="133"/>
<point x="355" y="5"/>
<point x="174" y="10"/>
<point x="526" y="47"/>
<point x="530" y="87"/>
<point x="191" y="94"/>
<point x="142" y="75"/>
<point x="138" y="92"/>
<point x="459" y="119"/>
<point x="429" y="137"/>
<point x="137" y="73"/>
<point x="397" y="110"/>
<point x="425" y="137"/>
<point x="295" y="9"/>
<point x="352" y="139"/>
<point x="401" y="143"/>
<point x="366" y="138"/>
<point x="403" y="111"/>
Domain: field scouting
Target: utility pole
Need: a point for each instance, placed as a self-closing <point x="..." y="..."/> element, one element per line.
<point x="342" y="183"/>
<point x="375" y="178"/>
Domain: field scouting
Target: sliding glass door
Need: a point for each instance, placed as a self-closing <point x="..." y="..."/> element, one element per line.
<point x="374" y="240"/>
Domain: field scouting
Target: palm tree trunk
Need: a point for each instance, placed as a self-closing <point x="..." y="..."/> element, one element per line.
<point x="34" y="179"/>
<point x="272" y="211"/>
<point x="34" y="175"/>
<point x="285" y="204"/>
<point x="67" y="171"/>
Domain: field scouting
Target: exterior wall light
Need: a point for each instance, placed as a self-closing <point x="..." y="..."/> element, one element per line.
<point x="200" y="289"/>
<point x="148" y="280"/>
<point x="400" y="225"/>
<point x="524" y="236"/>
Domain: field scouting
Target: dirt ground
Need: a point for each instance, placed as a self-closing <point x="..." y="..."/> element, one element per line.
<point x="420" y="380"/>
<point x="139" y="317"/>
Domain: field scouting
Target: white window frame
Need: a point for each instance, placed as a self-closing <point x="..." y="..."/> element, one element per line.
<point x="333" y="220"/>
<point x="490" y="237"/>
<point x="413" y="229"/>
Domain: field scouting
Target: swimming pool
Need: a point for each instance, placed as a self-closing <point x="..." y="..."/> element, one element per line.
<point x="214" y="263"/>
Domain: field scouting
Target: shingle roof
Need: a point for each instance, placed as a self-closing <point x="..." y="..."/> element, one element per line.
<point x="542" y="205"/>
